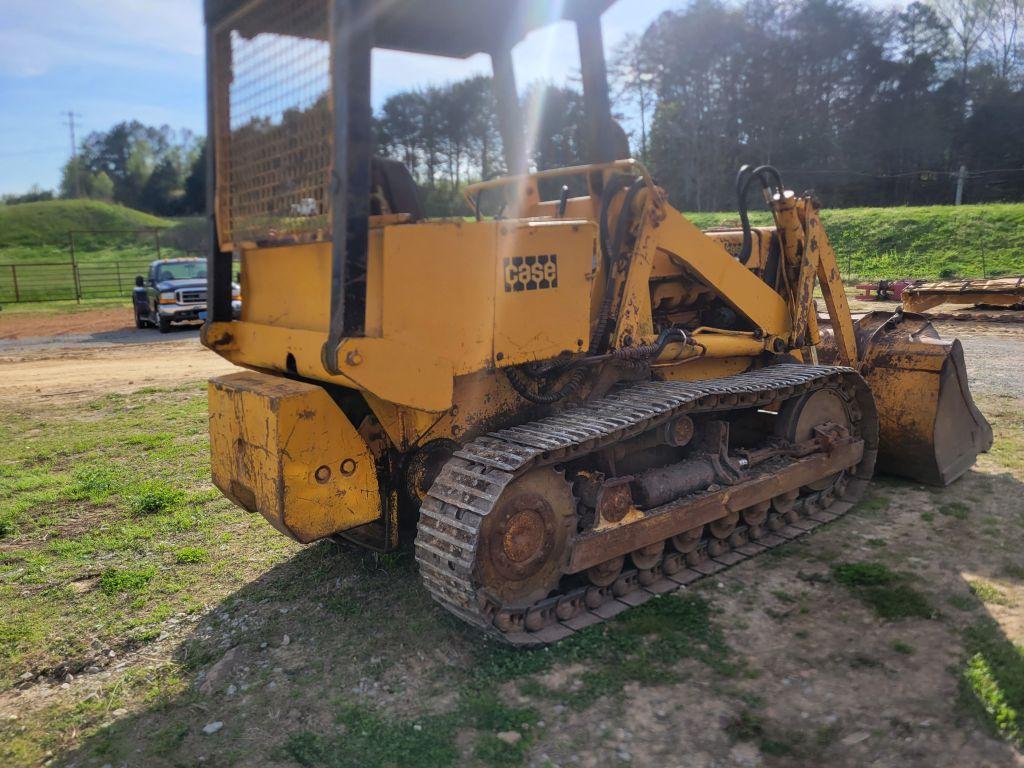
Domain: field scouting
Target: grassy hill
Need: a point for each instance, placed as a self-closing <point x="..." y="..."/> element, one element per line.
<point x="926" y="242"/>
<point x="46" y="224"/>
<point x="35" y="257"/>
<point x="929" y="242"/>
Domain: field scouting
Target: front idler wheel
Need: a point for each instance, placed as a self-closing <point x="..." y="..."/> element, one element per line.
<point x="525" y="541"/>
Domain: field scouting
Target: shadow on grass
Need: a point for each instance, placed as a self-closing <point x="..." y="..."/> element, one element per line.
<point x="338" y="658"/>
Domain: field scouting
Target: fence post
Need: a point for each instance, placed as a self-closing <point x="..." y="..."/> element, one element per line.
<point x="120" y="290"/>
<point x="14" y="277"/>
<point x="156" y="234"/>
<point x="74" y="268"/>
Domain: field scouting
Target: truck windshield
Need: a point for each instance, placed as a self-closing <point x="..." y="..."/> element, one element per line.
<point x="181" y="270"/>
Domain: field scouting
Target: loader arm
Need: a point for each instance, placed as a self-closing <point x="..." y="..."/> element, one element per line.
<point x="666" y="229"/>
<point x="809" y="257"/>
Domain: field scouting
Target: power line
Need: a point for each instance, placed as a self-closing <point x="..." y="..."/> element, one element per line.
<point x="903" y="175"/>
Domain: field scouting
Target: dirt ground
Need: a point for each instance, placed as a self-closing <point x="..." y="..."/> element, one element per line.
<point x="814" y="676"/>
<point x="74" y="356"/>
<point x="23" y="325"/>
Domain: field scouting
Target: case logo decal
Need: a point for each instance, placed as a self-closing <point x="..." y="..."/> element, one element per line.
<point x="531" y="273"/>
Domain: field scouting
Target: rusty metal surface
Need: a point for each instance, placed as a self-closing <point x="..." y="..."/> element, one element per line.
<point x="931" y="430"/>
<point x="1002" y="291"/>
<point x="469" y="487"/>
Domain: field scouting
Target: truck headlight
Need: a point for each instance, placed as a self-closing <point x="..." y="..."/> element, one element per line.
<point x="168" y="298"/>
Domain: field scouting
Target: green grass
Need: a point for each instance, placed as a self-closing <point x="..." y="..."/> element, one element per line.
<point x="923" y="242"/>
<point x="188" y="555"/>
<point x="994" y="679"/>
<point x="989" y="593"/>
<point x="644" y="645"/>
<point x="955" y="509"/>
<point x="368" y="740"/>
<point x="151" y="497"/>
<point x="886" y="592"/>
<point x="46" y="224"/>
<point x="34" y="238"/>
<point x="115" y="581"/>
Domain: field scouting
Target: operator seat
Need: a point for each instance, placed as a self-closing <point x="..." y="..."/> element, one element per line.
<point x="394" y="190"/>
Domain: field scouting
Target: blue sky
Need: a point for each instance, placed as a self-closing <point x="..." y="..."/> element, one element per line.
<point x="114" y="60"/>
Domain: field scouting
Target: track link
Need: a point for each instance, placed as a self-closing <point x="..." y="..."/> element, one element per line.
<point x="470" y="484"/>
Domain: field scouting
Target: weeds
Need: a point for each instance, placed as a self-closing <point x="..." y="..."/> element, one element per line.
<point x="114" y="581"/>
<point x="989" y="593"/>
<point x="994" y="679"/>
<point x="368" y="740"/>
<point x="954" y="509"/>
<point x="884" y="591"/>
<point x="191" y="555"/>
<point x="152" y="497"/>
<point x="95" y="483"/>
<point x="643" y="645"/>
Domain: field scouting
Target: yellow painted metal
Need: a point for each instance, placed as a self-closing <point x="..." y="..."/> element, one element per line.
<point x="425" y="263"/>
<point x="481" y="401"/>
<point x="636" y="322"/>
<point x="833" y="290"/>
<point x="930" y="428"/>
<point x="711" y="263"/>
<point x="538" y="324"/>
<point x="283" y="448"/>
<point x="415" y="345"/>
<point x="702" y="368"/>
<point x="405" y="375"/>
<point x="450" y="303"/>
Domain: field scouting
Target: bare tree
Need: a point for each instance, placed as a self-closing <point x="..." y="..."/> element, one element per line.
<point x="968" y="22"/>
<point x="633" y="80"/>
<point x="1003" y="36"/>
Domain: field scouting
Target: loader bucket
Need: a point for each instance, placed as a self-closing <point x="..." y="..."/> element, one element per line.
<point x="930" y="429"/>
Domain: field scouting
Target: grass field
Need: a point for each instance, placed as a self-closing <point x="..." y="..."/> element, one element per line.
<point x="148" y="621"/>
<point x="927" y="242"/>
<point x="35" y="255"/>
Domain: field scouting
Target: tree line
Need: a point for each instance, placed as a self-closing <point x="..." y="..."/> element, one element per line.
<point x="867" y="107"/>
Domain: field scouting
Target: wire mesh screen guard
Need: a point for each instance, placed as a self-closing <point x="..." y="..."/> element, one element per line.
<point x="273" y="116"/>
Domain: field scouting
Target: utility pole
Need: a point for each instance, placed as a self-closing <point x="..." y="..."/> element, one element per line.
<point x="960" y="180"/>
<point x="70" y="123"/>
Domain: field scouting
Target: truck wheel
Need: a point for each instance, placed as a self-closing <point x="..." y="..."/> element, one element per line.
<point x="165" y="324"/>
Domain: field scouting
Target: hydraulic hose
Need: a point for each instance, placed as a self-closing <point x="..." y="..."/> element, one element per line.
<point x="767" y="175"/>
<point x="521" y="383"/>
<point x="598" y="340"/>
<point x="524" y="384"/>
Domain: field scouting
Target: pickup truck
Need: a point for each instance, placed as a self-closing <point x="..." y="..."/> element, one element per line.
<point x="174" y="291"/>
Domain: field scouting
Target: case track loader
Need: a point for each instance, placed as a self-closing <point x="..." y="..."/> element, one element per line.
<point x="568" y="406"/>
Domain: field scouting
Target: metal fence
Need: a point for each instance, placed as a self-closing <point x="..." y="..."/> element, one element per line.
<point x="57" y="281"/>
<point x="101" y="263"/>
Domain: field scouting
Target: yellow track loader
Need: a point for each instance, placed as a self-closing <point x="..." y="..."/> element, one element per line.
<point x="568" y="406"/>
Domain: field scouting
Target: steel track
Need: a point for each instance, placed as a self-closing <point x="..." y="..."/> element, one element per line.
<point x="471" y="483"/>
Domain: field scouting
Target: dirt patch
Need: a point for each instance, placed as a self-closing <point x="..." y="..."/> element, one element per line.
<point x="62" y="374"/>
<point x="33" y="325"/>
